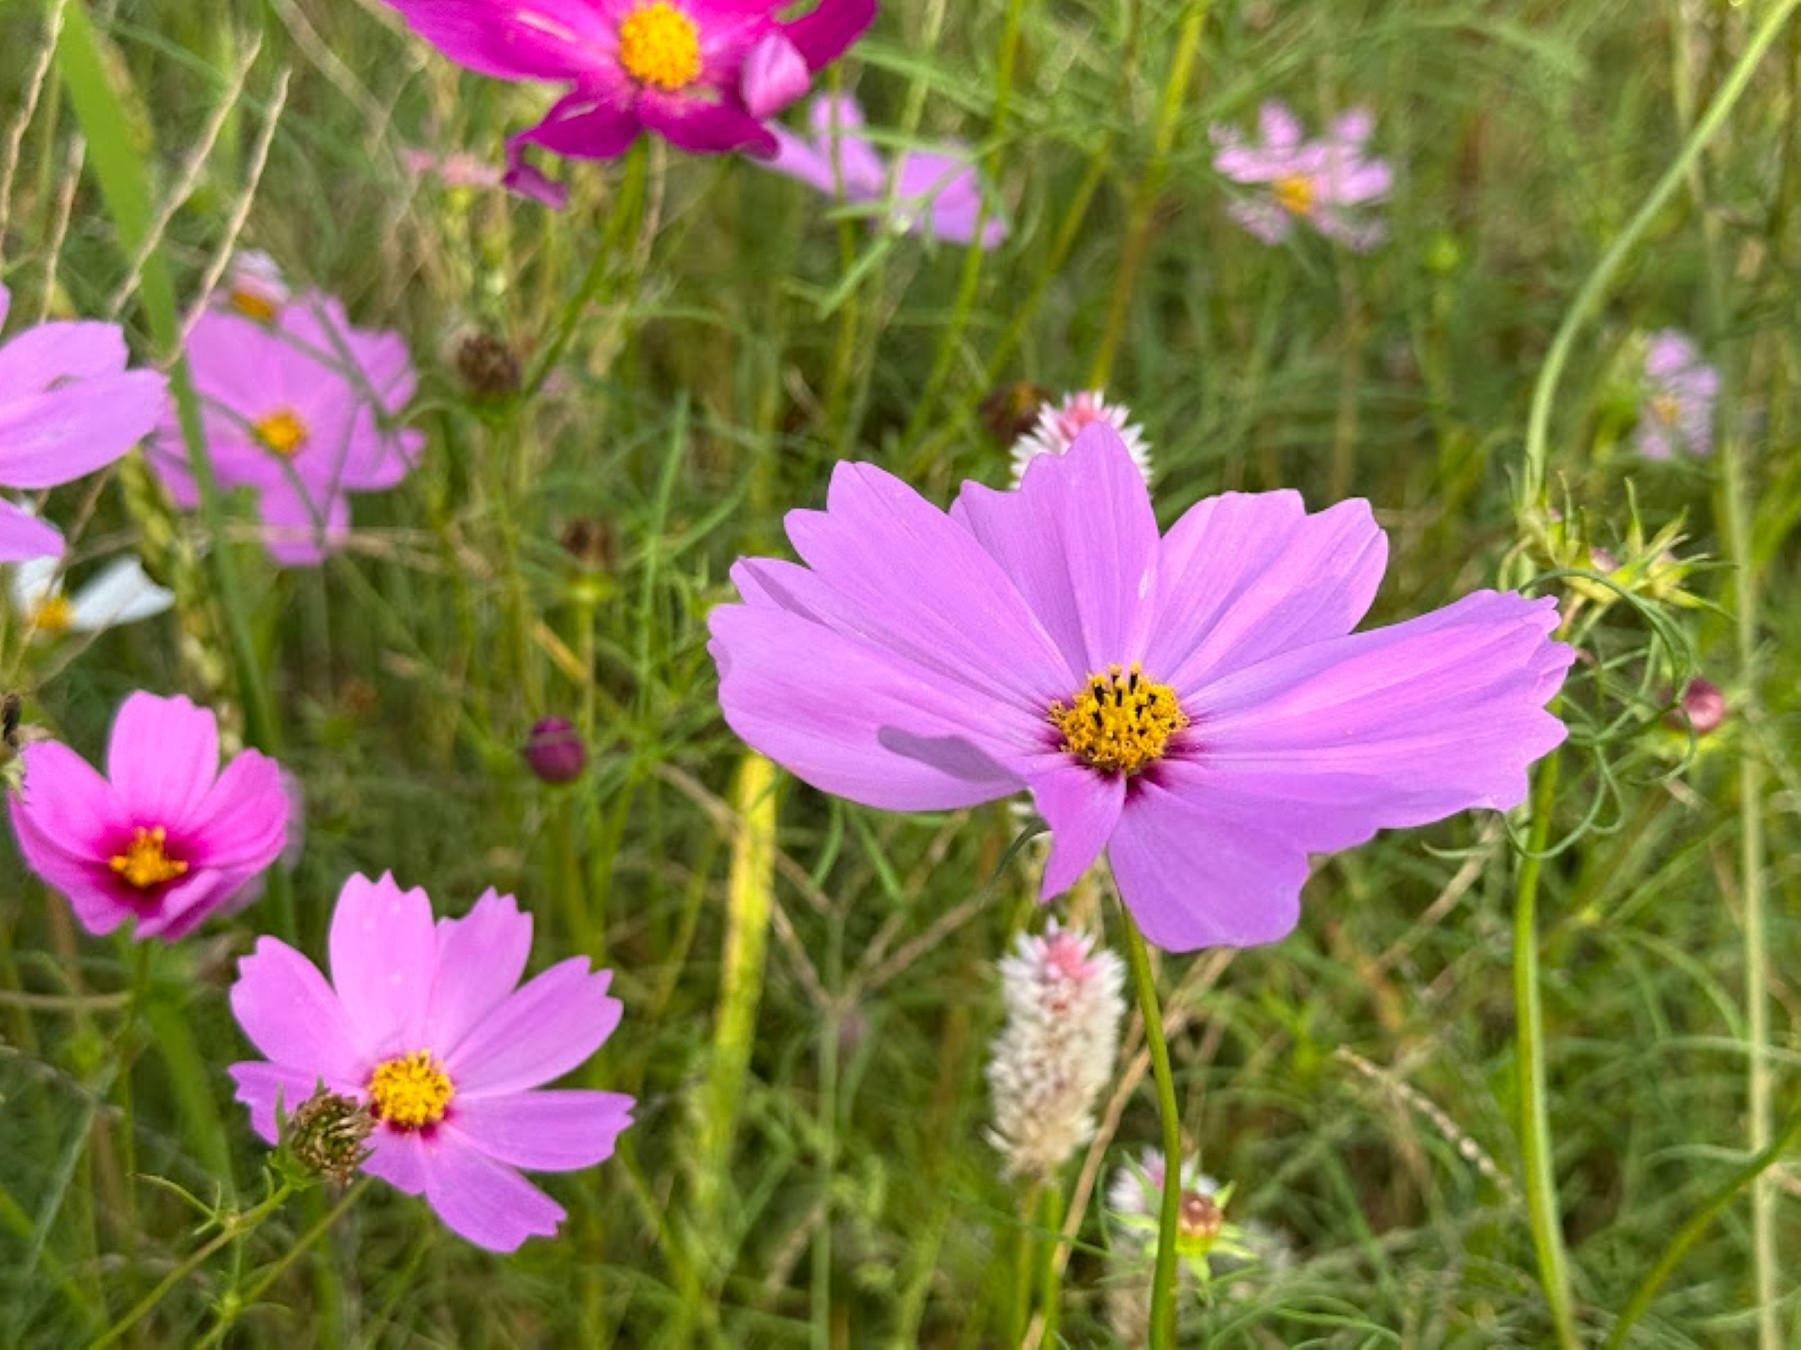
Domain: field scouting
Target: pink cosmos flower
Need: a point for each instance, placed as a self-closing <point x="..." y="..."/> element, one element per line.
<point x="1061" y="422"/>
<point x="933" y="192"/>
<point x="1680" y="389"/>
<point x="703" y="74"/>
<point x="454" y="169"/>
<point x="1320" y="182"/>
<point x="422" y="1022"/>
<point x="68" y="406"/>
<point x="298" y="410"/>
<point x="165" y="838"/>
<point x="1195" y="704"/>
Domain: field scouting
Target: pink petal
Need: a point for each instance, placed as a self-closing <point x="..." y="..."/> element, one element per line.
<point x="584" y="125"/>
<point x="35" y="359"/>
<point x="398" y="1158"/>
<point x="774" y="75"/>
<point x="823" y="33"/>
<point x="384" y="953"/>
<point x="549" y="1026"/>
<point x="260" y="1084"/>
<point x="479" y="961"/>
<point x="73" y="806"/>
<point x="553" y="1131"/>
<point x="242" y="822"/>
<point x="551" y="40"/>
<point x="162" y="758"/>
<point x="292" y="1016"/>
<point x="58" y="435"/>
<point x="482" y="1200"/>
<point x="834" y="120"/>
<point x="704" y="127"/>
<point x="24" y="537"/>
<point x="1081" y="807"/>
<point x="1278" y="125"/>
<point x="1263" y="218"/>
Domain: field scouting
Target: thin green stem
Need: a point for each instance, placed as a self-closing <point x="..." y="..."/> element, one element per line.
<point x="228" y="1315"/>
<point x="1163" y="1285"/>
<point x="1540" y="1181"/>
<point x="1050" y="1270"/>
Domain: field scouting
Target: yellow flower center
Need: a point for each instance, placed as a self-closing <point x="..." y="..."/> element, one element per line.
<point x="1666" y="409"/>
<point x="658" y="44"/>
<point x="252" y="306"/>
<point x="1119" y="721"/>
<point x="410" y="1091"/>
<point x="1294" y="194"/>
<point x="145" y="863"/>
<point x="53" y="614"/>
<point x="282" y="431"/>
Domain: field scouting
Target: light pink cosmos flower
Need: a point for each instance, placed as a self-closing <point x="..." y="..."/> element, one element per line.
<point x="1193" y="703"/>
<point x="454" y="169"/>
<point x="298" y="409"/>
<point x="1324" y="182"/>
<point x="165" y="838"/>
<point x="68" y="406"/>
<point x="1680" y="389"/>
<point x="1061" y="422"/>
<point x="929" y="192"/>
<point x="423" y="1023"/>
<point x="703" y="74"/>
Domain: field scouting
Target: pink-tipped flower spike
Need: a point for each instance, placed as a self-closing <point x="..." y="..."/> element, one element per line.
<point x="702" y="74"/>
<point x="68" y="406"/>
<point x="1680" y="389"/>
<point x="1329" y="183"/>
<point x="455" y="169"/>
<point x="422" y="1022"/>
<point x="1059" y="423"/>
<point x="166" y="838"/>
<point x="299" y="410"/>
<point x="933" y="192"/>
<point x="1195" y="703"/>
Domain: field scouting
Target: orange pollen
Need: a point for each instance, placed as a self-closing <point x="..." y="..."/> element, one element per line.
<point x="660" y="45"/>
<point x="282" y="431"/>
<point x="145" y="863"/>
<point x="252" y="306"/>
<point x="1294" y="194"/>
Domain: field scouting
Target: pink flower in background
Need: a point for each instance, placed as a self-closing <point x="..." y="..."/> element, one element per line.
<point x="932" y="191"/>
<point x="1323" y="182"/>
<point x="457" y="169"/>
<point x="423" y="1023"/>
<point x="1060" y="423"/>
<point x="255" y="286"/>
<point x="165" y="838"/>
<point x="1680" y="389"/>
<point x="703" y="74"/>
<point x="1194" y="703"/>
<point x="297" y="409"/>
<point x="68" y="406"/>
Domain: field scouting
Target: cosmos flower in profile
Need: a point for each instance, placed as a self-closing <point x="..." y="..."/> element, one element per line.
<point x="1680" y="388"/>
<point x="1195" y="704"/>
<point x="299" y="408"/>
<point x="1327" y="183"/>
<point x="165" y="838"/>
<point x="931" y="192"/>
<point x="254" y="286"/>
<point x="427" y="1025"/>
<point x="1059" y="422"/>
<point x="68" y="406"/>
<point x="702" y="74"/>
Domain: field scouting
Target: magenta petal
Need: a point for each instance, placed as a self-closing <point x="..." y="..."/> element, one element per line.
<point x="162" y="758"/>
<point x="823" y="33"/>
<point x="243" y="821"/>
<point x="774" y="75"/>
<point x="261" y="1085"/>
<point x="479" y="961"/>
<point x="551" y="1131"/>
<point x="1081" y="807"/>
<point x="550" y="1025"/>
<point x="1079" y="540"/>
<point x="384" y="956"/>
<point x="292" y="1015"/>
<point x="63" y="796"/>
<point x="479" y="1199"/>
<point x="582" y="125"/>
<point x="24" y="537"/>
<point x="704" y="127"/>
<point x="548" y="40"/>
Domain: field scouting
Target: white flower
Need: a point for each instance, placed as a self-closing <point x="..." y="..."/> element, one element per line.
<point x="1060" y="423"/>
<point x="1055" y="1053"/>
<point x="254" y="286"/>
<point x="121" y="592"/>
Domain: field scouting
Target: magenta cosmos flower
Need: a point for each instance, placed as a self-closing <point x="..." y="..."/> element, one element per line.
<point x="1680" y="389"/>
<point x="165" y="838"/>
<point x="299" y="409"/>
<point x="422" y="1022"/>
<point x="68" y="406"/>
<point x="1195" y="704"/>
<point x="1324" y="182"/>
<point x="928" y="192"/>
<point x="703" y="74"/>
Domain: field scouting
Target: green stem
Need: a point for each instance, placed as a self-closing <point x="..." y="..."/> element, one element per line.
<point x="1050" y="1270"/>
<point x="1544" y="392"/>
<point x="1685" y="1237"/>
<point x="1540" y="1180"/>
<point x="230" y="1313"/>
<point x="1163" y="1286"/>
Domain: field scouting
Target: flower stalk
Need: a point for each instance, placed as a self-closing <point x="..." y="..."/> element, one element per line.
<point x="1163" y="1282"/>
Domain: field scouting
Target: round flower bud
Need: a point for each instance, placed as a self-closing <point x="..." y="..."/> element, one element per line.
<point x="555" y="751"/>
<point x="487" y="366"/>
<point x="1702" y="704"/>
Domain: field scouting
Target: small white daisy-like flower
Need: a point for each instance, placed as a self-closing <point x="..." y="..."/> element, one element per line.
<point x="254" y="286"/>
<point x="1055" y="1053"/>
<point x="1060" y="423"/>
<point x="121" y="592"/>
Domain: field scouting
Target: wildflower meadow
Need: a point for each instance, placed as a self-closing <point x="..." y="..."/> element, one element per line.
<point x="843" y="673"/>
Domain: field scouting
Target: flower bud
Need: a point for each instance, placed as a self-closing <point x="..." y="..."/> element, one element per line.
<point x="487" y="365"/>
<point x="1703" y="708"/>
<point x="325" y="1135"/>
<point x="1012" y="410"/>
<point x="590" y="543"/>
<point x="555" y="751"/>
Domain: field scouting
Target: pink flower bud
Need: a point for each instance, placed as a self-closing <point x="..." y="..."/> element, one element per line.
<point x="555" y="750"/>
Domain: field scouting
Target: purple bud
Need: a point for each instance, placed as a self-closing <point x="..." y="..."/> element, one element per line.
<point x="1704" y="705"/>
<point x="555" y="750"/>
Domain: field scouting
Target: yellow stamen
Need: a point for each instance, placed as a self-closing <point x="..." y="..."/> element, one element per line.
<point x="1119" y="721"/>
<point x="1666" y="409"/>
<point x="282" y="431"/>
<point x="144" y="863"/>
<point x="660" y="45"/>
<point x="1295" y="194"/>
<point x="253" y="306"/>
<point x="410" y="1091"/>
<point x="53" y="614"/>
